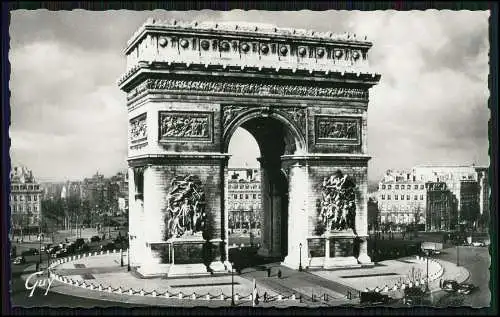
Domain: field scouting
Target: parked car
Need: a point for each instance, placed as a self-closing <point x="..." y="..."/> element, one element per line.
<point x="466" y="288"/>
<point x="19" y="260"/>
<point x="95" y="239"/>
<point x="450" y="285"/>
<point x="374" y="298"/>
<point x="79" y="242"/>
<point x="414" y="296"/>
<point x="478" y="244"/>
<point x="31" y="251"/>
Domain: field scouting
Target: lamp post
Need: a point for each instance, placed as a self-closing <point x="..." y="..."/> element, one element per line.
<point x="40" y="248"/>
<point x="300" y="257"/>
<point x="458" y="248"/>
<point x="128" y="251"/>
<point x="427" y="281"/>
<point x="232" y="284"/>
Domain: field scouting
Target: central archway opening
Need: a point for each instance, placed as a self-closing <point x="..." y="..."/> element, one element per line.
<point x="258" y="143"/>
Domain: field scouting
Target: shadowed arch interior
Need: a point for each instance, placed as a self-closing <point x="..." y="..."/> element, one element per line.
<point x="274" y="139"/>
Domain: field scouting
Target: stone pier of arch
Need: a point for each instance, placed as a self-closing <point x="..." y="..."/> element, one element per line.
<point x="304" y="97"/>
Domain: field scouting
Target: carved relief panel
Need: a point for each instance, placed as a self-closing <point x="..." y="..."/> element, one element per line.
<point x="337" y="130"/>
<point x="185" y="126"/>
<point x="138" y="129"/>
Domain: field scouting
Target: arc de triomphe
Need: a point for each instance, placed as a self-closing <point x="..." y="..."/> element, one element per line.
<point x="303" y="95"/>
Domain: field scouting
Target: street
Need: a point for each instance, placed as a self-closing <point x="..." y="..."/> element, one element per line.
<point x="477" y="261"/>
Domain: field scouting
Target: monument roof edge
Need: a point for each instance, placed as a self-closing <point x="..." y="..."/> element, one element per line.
<point x="246" y="28"/>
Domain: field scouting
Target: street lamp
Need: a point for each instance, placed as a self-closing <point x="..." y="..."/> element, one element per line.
<point x="458" y="248"/>
<point x="427" y="282"/>
<point x="232" y="284"/>
<point x="300" y="257"/>
<point x="40" y="248"/>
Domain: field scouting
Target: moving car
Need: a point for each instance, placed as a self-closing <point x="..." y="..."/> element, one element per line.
<point x="478" y="244"/>
<point x="450" y="286"/>
<point x="466" y="288"/>
<point x="19" y="260"/>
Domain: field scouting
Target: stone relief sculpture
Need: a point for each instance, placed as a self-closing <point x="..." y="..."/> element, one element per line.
<point x="175" y="125"/>
<point x="230" y="112"/>
<point x="331" y="128"/>
<point x="138" y="129"/>
<point x="298" y="115"/>
<point x="338" y="206"/>
<point x="251" y="89"/>
<point x="185" y="207"/>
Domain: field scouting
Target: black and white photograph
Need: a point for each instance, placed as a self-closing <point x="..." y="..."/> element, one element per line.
<point x="258" y="159"/>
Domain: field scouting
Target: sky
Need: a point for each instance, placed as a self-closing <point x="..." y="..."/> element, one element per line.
<point x="69" y="119"/>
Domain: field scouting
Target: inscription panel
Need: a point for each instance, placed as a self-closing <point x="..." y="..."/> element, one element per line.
<point x="337" y="130"/>
<point x="185" y="126"/>
<point x="138" y="129"/>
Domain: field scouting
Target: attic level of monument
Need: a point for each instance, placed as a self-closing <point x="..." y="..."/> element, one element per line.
<point x="230" y="50"/>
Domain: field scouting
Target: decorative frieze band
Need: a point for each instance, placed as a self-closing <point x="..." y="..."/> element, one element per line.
<point x="261" y="89"/>
<point x="185" y="126"/>
<point x="338" y="130"/>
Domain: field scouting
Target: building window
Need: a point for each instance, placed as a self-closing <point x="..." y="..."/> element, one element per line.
<point x="421" y="197"/>
<point x="421" y="186"/>
<point x="388" y="197"/>
<point x="402" y="197"/>
<point x="241" y="196"/>
<point x="246" y="196"/>
<point x="235" y="196"/>
<point x="416" y="187"/>
<point x="408" y="187"/>
<point x="407" y="197"/>
<point x="396" y="187"/>
<point x="383" y="186"/>
<point x="246" y="186"/>
<point x="15" y="197"/>
<point x="29" y="197"/>
<point x="415" y="197"/>
<point x="241" y="186"/>
<point x="383" y="197"/>
<point x="254" y="196"/>
<point x="396" y="197"/>
<point x="389" y="186"/>
<point x="259" y="196"/>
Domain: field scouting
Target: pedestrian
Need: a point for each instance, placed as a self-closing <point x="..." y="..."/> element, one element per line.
<point x="265" y="297"/>
<point x="441" y="283"/>
<point x="279" y="273"/>
<point x="268" y="272"/>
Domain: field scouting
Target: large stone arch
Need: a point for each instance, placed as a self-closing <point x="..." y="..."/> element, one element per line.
<point x="189" y="86"/>
<point x="249" y="113"/>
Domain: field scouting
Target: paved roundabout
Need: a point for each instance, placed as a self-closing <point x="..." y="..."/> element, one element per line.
<point x="100" y="276"/>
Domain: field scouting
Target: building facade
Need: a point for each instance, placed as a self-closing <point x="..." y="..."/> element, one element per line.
<point x="25" y="200"/>
<point x="439" y="208"/>
<point x="463" y="181"/>
<point x="402" y="199"/>
<point x="441" y="197"/>
<point x="244" y="198"/>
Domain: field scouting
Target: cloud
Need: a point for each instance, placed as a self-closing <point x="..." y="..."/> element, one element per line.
<point x="69" y="117"/>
